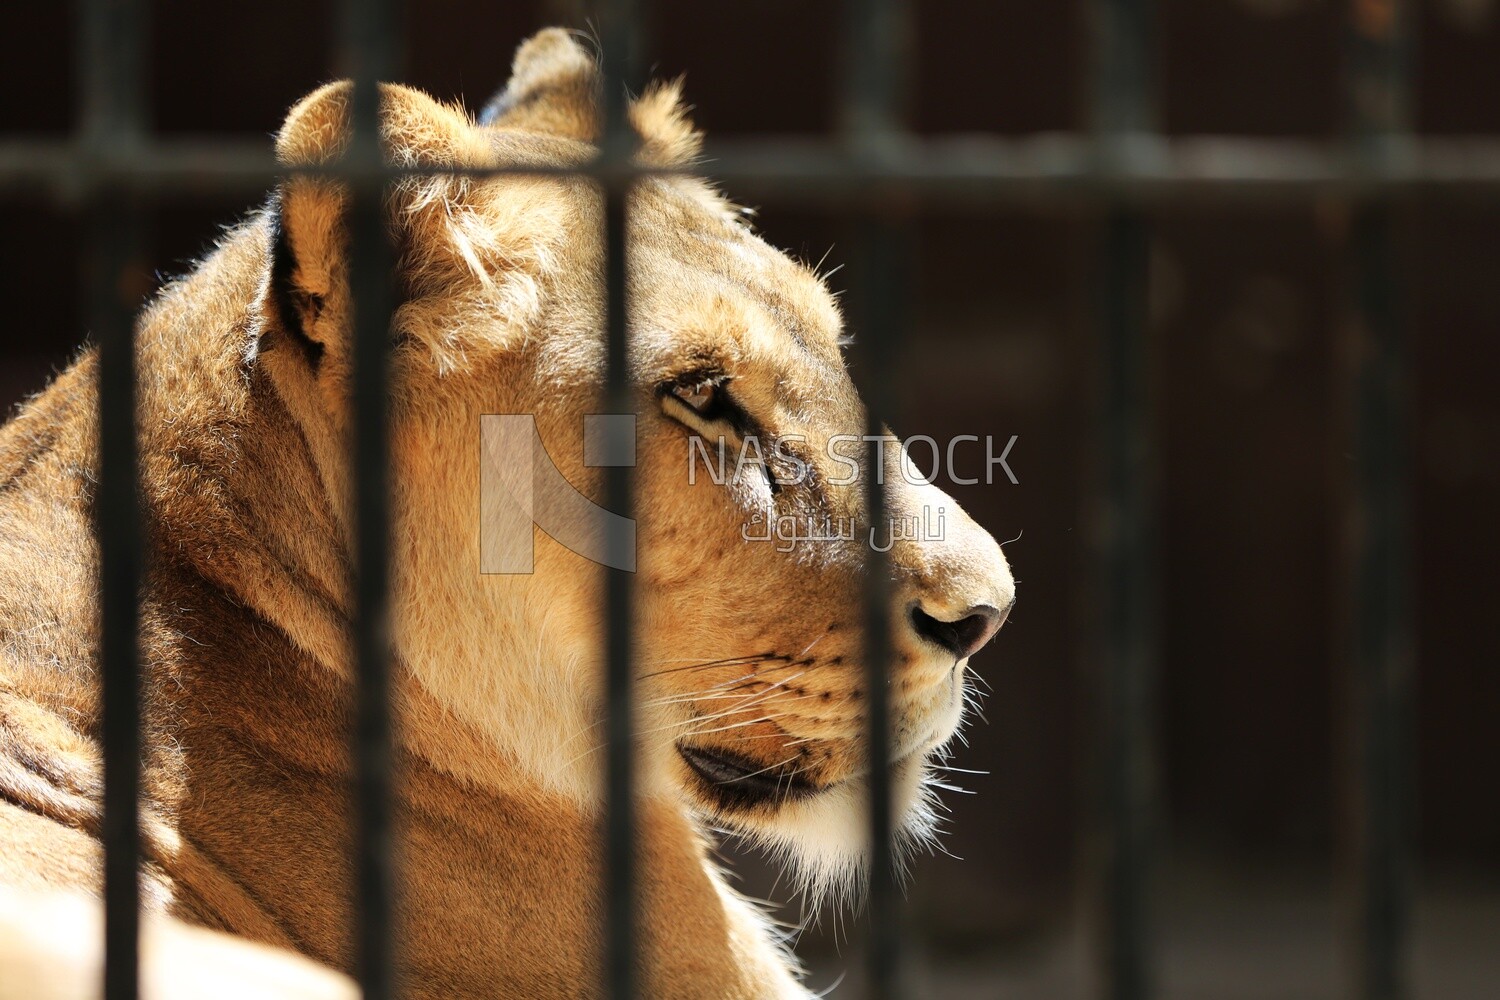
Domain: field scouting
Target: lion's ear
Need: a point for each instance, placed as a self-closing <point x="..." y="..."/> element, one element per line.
<point x="308" y="290"/>
<point x="553" y="88"/>
<point x="415" y="130"/>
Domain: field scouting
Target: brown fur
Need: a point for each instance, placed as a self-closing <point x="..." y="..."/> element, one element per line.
<point x="246" y="608"/>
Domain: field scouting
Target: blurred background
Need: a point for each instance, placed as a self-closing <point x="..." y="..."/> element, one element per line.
<point x="1247" y="345"/>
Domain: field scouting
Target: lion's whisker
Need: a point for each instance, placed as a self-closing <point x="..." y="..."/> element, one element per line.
<point x="771" y="690"/>
<point x="732" y="725"/>
<point x="811" y="645"/>
<point x="715" y="692"/>
<point x="768" y="767"/>
<point x="765" y="736"/>
<point x="731" y="661"/>
<point x="749" y="702"/>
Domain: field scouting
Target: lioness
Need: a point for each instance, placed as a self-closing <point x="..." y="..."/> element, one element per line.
<point x="750" y="699"/>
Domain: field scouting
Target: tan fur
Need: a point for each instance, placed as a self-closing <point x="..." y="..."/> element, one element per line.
<point x="246" y="610"/>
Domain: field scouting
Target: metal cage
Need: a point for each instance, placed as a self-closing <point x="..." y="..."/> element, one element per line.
<point x="876" y="172"/>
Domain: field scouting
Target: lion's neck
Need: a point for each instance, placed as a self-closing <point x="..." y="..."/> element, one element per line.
<point x="498" y="888"/>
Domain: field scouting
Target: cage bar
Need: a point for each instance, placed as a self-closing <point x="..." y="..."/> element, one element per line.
<point x="882" y="256"/>
<point x="881" y="172"/>
<point x="1043" y="173"/>
<point x="873" y="88"/>
<point x="368" y="53"/>
<point x="111" y="60"/>
<point x="618" y="22"/>
<point x="1122" y="113"/>
<point x="1126" y="750"/>
<point x="1378" y="98"/>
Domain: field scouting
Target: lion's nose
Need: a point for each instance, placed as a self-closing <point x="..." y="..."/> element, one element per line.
<point x="964" y="636"/>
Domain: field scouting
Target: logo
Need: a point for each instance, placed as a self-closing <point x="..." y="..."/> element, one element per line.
<point x="522" y="489"/>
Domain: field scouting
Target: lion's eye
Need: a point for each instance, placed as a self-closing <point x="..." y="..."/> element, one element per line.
<point x="703" y="404"/>
<point x="703" y="399"/>
<point x="700" y="398"/>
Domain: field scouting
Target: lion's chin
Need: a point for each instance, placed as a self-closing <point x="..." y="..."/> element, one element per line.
<point x="823" y="839"/>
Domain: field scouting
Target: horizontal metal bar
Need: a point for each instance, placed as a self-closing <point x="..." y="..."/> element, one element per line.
<point x="962" y="170"/>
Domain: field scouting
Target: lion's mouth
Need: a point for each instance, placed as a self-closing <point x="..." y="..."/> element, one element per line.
<point x="734" y="780"/>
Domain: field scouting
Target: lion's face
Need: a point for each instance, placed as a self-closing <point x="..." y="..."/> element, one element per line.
<point x="754" y="543"/>
<point x="752" y="534"/>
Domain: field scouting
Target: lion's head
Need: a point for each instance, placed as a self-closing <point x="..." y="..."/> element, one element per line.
<point x="751" y="684"/>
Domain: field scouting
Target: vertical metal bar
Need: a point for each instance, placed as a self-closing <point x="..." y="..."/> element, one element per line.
<point x="618" y="23"/>
<point x="368" y="51"/>
<point x="877" y="34"/>
<point x="883" y="304"/>
<point x="1377" y="92"/>
<point x="1129" y="660"/>
<point x="877" y="43"/>
<point x="111" y="57"/>
<point x="1122" y="111"/>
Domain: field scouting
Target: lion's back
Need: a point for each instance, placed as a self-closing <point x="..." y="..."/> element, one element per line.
<point x="48" y="555"/>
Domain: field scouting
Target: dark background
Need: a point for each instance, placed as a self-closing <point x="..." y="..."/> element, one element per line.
<point x="1248" y="360"/>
